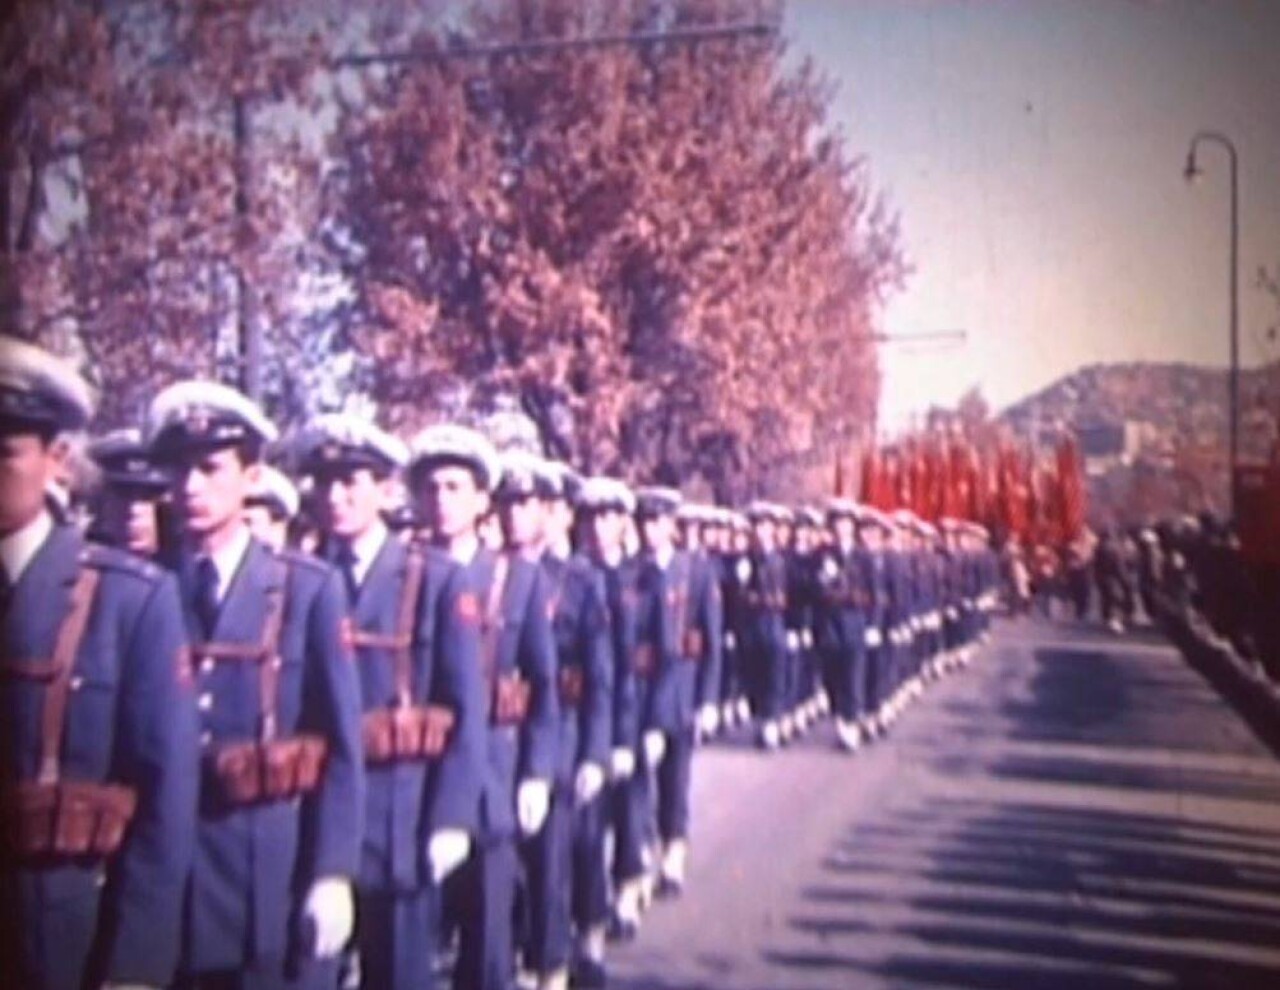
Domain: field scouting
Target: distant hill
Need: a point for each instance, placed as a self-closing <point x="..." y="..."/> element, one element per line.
<point x="1154" y="435"/>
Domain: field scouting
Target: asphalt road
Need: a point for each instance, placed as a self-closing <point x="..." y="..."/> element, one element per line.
<point x="1071" y="811"/>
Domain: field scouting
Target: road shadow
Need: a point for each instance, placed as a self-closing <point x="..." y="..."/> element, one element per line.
<point x="1071" y="889"/>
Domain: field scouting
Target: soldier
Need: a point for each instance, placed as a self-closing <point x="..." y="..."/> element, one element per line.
<point x="417" y="640"/>
<point x="681" y="625"/>
<point x="735" y="571"/>
<point x="873" y="530"/>
<point x="452" y="472"/>
<point x="607" y="506"/>
<point x="128" y="509"/>
<point x="844" y="596"/>
<point x="271" y="507"/>
<point x="282" y="782"/>
<point x="565" y="860"/>
<point x="809" y="701"/>
<point x="765" y="631"/>
<point x="99" y="721"/>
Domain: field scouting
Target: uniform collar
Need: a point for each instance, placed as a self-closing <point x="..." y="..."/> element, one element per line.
<point x="365" y="548"/>
<point x="227" y="559"/>
<point x="19" y="548"/>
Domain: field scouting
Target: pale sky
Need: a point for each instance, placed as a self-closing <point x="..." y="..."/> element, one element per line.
<point x="1034" y="149"/>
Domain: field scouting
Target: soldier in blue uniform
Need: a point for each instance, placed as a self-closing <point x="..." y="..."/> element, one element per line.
<point x="271" y="507"/>
<point x="416" y="632"/>
<point x="565" y="860"/>
<point x="802" y="592"/>
<point x="452" y="472"/>
<point x="606" y="506"/>
<point x="873" y="530"/>
<point x="764" y="597"/>
<point x="681" y="625"/>
<point x="282" y="771"/>
<point x="844" y="578"/>
<point x="98" y="721"/>
<point x="127" y="509"/>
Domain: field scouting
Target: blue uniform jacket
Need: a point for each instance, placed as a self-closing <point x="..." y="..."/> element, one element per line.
<point x="130" y="720"/>
<point x="682" y="599"/>
<point x="580" y="625"/>
<point x="522" y="642"/>
<point x="253" y="864"/>
<point x="632" y="694"/>
<point x="407" y="800"/>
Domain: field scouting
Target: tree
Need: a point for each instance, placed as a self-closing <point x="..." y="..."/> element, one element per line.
<point x="657" y="248"/>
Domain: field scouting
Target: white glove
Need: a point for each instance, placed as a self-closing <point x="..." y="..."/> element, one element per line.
<point x="533" y="798"/>
<point x="622" y="762"/>
<point x="730" y="641"/>
<point x="330" y="914"/>
<point x="793" y="640"/>
<point x="655" y="747"/>
<point x="588" y="783"/>
<point x="872" y="637"/>
<point x="447" y="849"/>
<point x="708" y="720"/>
<point x="806" y="638"/>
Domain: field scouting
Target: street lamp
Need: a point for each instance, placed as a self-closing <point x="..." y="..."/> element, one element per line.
<point x="1193" y="172"/>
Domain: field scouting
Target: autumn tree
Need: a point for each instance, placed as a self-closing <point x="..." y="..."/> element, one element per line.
<point x="659" y="247"/>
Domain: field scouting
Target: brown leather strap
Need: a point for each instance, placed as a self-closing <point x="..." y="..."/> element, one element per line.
<point x="493" y="616"/>
<point x="70" y="633"/>
<point x="413" y="572"/>
<point x="269" y="652"/>
<point x="682" y="599"/>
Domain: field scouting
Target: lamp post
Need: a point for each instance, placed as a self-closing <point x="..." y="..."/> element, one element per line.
<point x="1192" y="172"/>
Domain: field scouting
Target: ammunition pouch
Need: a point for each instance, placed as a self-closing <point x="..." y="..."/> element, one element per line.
<point x="70" y="818"/>
<point x="573" y="686"/>
<point x="511" y="698"/>
<point x="411" y="732"/>
<point x="247" y="773"/>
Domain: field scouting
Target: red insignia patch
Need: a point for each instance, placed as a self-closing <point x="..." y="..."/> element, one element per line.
<point x="347" y="636"/>
<point x="468" y="608"/>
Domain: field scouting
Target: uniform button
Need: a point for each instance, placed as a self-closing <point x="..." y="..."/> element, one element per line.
<point x="205" y="701"/>
<point x="77" y="683"/>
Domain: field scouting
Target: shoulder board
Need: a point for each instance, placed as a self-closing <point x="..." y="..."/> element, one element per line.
<point x="104" y="558"/>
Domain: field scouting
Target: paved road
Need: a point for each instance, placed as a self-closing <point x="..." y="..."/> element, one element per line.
<point x="1073" y="811"/>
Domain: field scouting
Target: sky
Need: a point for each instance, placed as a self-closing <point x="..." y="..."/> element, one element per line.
<point x="1034" y="150"/>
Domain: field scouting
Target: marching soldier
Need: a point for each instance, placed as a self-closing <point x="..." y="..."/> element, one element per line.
<point x="453" y="471"/>
<point x="565" y="860"/>
<point x="606" y="506"/>
<point x="765" y="632"/>
<point x="128" y="509"/>
<point x="416" y="633"/>
<point x="846" y="601"/>
<point x="271" y="507"/>
<point x="282" y="781"/>
<point x="681" y="628"/>
<point x="808" y="702"/>
<point x="99" y="722"/>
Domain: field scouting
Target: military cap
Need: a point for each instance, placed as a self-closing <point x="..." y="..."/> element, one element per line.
<point x="41" y="390"/>
<point x="739" y="521"/>
<point x="526" y="475"/>
<point x="759" y="510"/>
<point x="125" y="460"/>
<point x="783" y="514"/>
<point x="600" y="494"/>
<point x="657" y="501"/>
<point x="842" y="508"/>
<point x="809" y="516"/>
<point x="903" y="518"/>
<point x="452" y="444"/>
<point x="202" y="415"/>
<point x="568" y="481"/>
<point x="948" y="524"/>
<point x="275" y="491"/>
<point x="871" y="516"/>
<point x="341" y="440"/>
